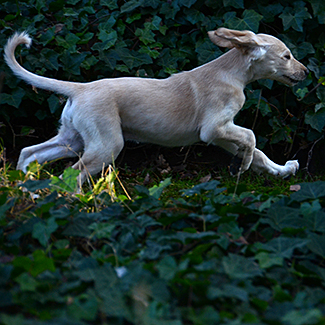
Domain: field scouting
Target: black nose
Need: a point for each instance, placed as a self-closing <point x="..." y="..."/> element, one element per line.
<point x="306" y="72"/>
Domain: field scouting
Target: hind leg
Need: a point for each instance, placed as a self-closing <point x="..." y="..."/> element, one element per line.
<point x="68" y="143"/>
<point x="103" y="141"/>
<point x="96" y="157"/>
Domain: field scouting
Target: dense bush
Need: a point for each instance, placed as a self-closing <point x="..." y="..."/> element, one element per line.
<point x="83" y="40"/>
<point x="208" y="256"/>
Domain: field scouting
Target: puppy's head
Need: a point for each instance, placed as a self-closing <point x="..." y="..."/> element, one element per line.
<point x="269" y="58"/>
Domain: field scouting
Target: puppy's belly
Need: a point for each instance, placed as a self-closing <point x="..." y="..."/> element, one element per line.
<point x="167" y="139"/>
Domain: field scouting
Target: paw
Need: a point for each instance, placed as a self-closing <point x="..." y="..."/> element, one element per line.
<point x="291" y="167"/>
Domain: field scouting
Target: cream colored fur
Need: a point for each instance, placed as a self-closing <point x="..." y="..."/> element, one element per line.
<point x="192" y="106"/>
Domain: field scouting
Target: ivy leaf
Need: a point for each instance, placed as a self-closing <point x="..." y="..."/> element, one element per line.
<point x="85" y="38"/>
<point x="47" y="37"/>
<point x="54" y="103"/>
<point x="72" y="39"/>
<point x="309" y="191"/>
<point x="250" y="20"/>
<point x="264" y="108"/>
<point x="133" y="18"/>
<point x="78" y="228"/>
<point x="294" y="17"/>
<point x="238" y="4"/>
<point x="284" y="246"/>
<point x="169" y="10"/>
<point x="155" y="24"/>
<point x="89" y="62"/>
<point x="5" y="273"/>
<point x="146" y="35"/>
<point x="68" y="183"/>
<point x="147" y="50"/>
<point x="131" y="5"/>
<point x="33" y="186"/>
<point x="26" y="282"/>
<point x="42" y="231"/>
<point x="13" y="99"/>
<point x="316" y="119"/>
<point x="227" y="291"/>
<point x="72" y="61"/>
<point x="319" y="10"/>
<point x="153" y="250"/>
<point x="106" y="285"/>
<point x="101" y="230"/>
<point x="111" y="4"/>
<point x="314" y="217"/>
<point x="321" y="96"/>
<point x="132" y="58"/>
<point x="302" y="50"/>
<point x="108" y="40"/>
<point x="84" y="306"/>
<point x="203" y="187"/>
<point x="166" y="60"/>
<point x="302" y="317"/>
<point x="230" y="228"/>
<point x="206" y="315"/>
<point x="167" y="268"/>
<point x="317" y="244"/>
<point x="239" y="267"/>
<point x="36" y="265"/>
<point x="109" y="59"/>
<point x="267" y="260"/>
<point x="186" y="3"/>
<point x="49" y="59"/>
<point x="194" y="16"/>
<point x="152" y="3"/>
<point x="70" y="12"/>
<point x="156" y="191"/>
<point x="270" y="11"/>
<point x="279" y="217"/>
<point x="69" y="42"/>
<point x="107" y="25"/>
<point x="41" y="263"/>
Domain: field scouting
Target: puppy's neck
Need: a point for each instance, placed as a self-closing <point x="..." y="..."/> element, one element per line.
<point x="233" y="68"/>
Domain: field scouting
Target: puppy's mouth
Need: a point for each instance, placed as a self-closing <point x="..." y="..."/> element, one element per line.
<point x="291" y="81"/>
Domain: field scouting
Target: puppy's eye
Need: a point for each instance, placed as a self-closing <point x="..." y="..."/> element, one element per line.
<point x="287" y="57"/>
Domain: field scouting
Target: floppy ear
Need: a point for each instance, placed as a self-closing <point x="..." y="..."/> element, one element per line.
<point x="234" y="38"/>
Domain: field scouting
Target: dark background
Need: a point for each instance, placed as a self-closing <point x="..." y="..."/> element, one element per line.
<point x="81" y="40"/>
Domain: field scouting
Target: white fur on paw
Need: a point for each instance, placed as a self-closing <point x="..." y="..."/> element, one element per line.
<point x="291" y="167"/>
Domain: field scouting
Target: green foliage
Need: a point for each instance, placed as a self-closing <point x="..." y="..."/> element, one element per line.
<point x="68" y="181"/>
<point x="84" y="40"/>
<point x="206" y="256"/>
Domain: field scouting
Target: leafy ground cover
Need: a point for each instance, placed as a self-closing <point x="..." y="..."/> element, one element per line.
<point x="207" y="254"/>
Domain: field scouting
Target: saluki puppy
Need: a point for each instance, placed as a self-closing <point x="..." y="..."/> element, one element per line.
<point x="191" y="106"/>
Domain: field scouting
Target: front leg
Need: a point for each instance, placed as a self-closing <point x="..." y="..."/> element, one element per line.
<point x="261" y="163"/>
<point x="233" y="138"/>
<point x="241" y="142"/>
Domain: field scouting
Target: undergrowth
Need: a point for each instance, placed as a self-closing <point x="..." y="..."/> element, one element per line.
<point x="202" y="250"/>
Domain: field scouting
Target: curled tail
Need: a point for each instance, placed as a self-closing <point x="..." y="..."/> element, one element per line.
<point x="61" y="87"/>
